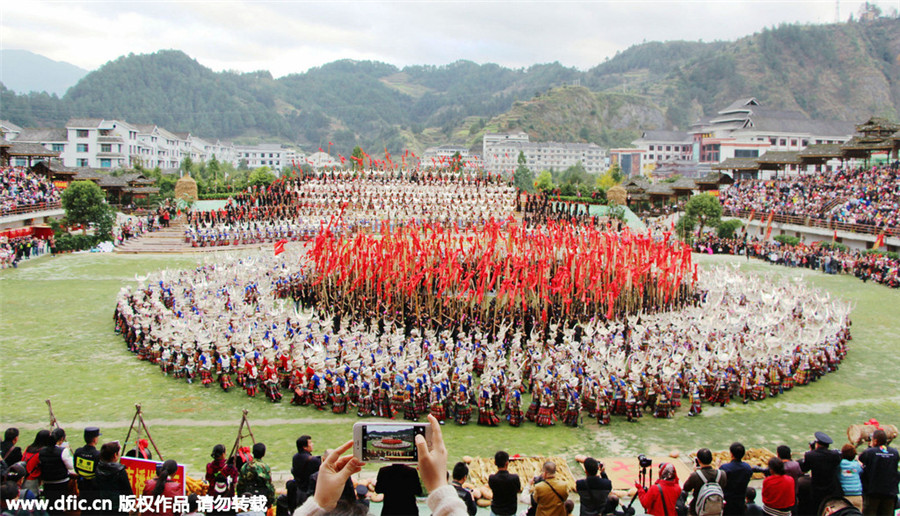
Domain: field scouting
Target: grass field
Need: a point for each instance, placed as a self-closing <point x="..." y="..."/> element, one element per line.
<point x="57" y="342"/>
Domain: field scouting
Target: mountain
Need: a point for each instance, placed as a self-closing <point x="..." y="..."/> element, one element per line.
<point x="847" y="71"/>
<point x="23" y="72"/>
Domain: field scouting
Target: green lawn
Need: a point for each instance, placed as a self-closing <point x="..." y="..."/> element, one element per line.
<point x="57" y="342"/>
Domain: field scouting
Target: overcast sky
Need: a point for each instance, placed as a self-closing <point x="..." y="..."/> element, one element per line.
<point x="292" y="36"/>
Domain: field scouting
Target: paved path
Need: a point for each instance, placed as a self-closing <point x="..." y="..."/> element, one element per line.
<point x="171" y="240"/>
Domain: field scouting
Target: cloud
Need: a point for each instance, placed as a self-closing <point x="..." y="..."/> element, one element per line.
<point x="291" y="36"/>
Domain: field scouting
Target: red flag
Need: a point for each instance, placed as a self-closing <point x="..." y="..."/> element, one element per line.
<point x="279" y="246"/>
<point x="879" y="242"/>
<point x="769" y="225"/>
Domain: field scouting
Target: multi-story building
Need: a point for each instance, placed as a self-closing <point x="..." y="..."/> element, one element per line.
<point x="99" y="143"/>
<point x="442" y="156"/>
<point x="746" y="129"/>
<point x="664" y="146"/>
<point x="495" y="138"/>
<point x="51" y="139"/>
<point x="503" y="157"/>
<point x="270" y="155"/>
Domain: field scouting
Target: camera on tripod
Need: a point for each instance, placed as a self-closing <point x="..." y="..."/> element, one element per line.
<point x="644" y="462"/>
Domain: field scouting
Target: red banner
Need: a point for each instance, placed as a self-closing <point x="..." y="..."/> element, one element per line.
<point x="141" y="470"/>
<point x="61" y="185"/>
<point x="18" y="232"/>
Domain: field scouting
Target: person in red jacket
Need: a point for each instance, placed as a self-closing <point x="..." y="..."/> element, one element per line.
<point x="163" y="490"/>
<point x="778" y="490"/>
<point x="660" y="498"/>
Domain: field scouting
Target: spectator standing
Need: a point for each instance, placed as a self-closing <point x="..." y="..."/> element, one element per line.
<point x="505" y="486"/>
<point x="594" y="489"/>
<point x="87" y="457"/>
<point x="303" y="465"/>
<point x="779" y="490"/>
<point x="33" y="462"/>
<point x="255" y="478"/>
<point x="879" y="476"/>
<point x="703" y="474"/>
<point x="400" y="485"/>
<point x="660" y="498"/>
<point x="56" y="466"/>
<point x="791" y="467"/>
<point x="851" y="470"/>
<point x="550" y="493"/>
<point x="824" y="465"/>
<point x="739" y="474"/>
<point x="221" y="475"/>
<point x="460" y="473"/>
<point x="111" y="478"/>
<point x="9" y="452"/>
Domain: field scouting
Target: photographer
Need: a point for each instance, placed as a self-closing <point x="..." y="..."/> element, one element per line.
<point x="593" y="490"/>
<point x="550" y="493"/>
<point x="661" y="497"/>
<point x="704" y="474"/>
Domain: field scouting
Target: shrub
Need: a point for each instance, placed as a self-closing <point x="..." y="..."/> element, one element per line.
<point x="787" y="240"/>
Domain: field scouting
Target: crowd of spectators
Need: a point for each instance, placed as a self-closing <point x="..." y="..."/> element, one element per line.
<point x="20" y="189"/>
<point x="824" y="481"/>
<point x="876" y="267"/>
<point x="14" y="250"/>
<point x="866" y="195"/>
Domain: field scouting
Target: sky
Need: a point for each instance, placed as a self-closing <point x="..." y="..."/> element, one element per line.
<point x="287" y="37"/>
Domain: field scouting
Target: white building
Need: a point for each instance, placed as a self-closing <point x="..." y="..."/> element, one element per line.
<point x="442" y="156"/>
<point x="272" y="155"/>
<point x="496" y="138"/>
<point x="503" y="157"/>
<point x="664" y="146"/>
<point x="10" y="130"/>
<point x="98" y="143"/>
<point x="746" y="129"/>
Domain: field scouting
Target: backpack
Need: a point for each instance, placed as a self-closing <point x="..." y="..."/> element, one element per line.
<point x="710" y="498"/>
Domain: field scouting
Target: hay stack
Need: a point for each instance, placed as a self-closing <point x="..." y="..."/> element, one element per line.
<point x="617" y="195"/>
<point x="753" y="456"/>
<point x="527" y="468"/>
<point x="186" y="188"/>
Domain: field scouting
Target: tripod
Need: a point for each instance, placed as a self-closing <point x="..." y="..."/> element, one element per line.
<point x="139" y="426"/>
<point x="646" y="479"/>
<point x="241" y="436"/>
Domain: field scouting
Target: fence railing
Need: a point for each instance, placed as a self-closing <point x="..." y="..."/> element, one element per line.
<point x="817" y="223"/>
<point x="19" y="210"/>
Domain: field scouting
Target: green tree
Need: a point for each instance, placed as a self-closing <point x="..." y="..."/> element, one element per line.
<point x="85" y="204"/>
<point x="728" y="227"/>
<point x="524" y="177"/>
<point x="684" y="228"/>
<point x="358" y="156"/>
<point x="545" y="181"/>
<point x="187" y="165"/>
<point x="705" y="209"/>
<point x="213" y="168"/>
<point x="575" y="175"/>
<point x="261" y="176"/>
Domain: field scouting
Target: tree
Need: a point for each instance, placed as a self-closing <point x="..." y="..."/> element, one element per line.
<point x="705" y="209"/>
<point x="684" y="228"/>
<point x="524" y="177"/>
<point x="575" y="175"/>
<point x="545" y="181"/>
<point x="84" y="203"/>
<point x="358" y="156"/>
<point x="728" y="227"/>
<point x="261" y="176"/>
<point x="187" y="164"/>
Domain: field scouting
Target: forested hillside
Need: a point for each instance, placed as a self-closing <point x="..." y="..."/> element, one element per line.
<point x="846" y="71"/>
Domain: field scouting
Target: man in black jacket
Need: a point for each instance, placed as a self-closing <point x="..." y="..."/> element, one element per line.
<point x="87" y="457"/>
<point x="400" y="485"/>
<point x="460" y="473"/>
<point x="825" y="466"/>
<point x="593" y="490"/>
<point x="879" y="475"/>
<point x="505" y="487"/>
<point x="303" y="465"/>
